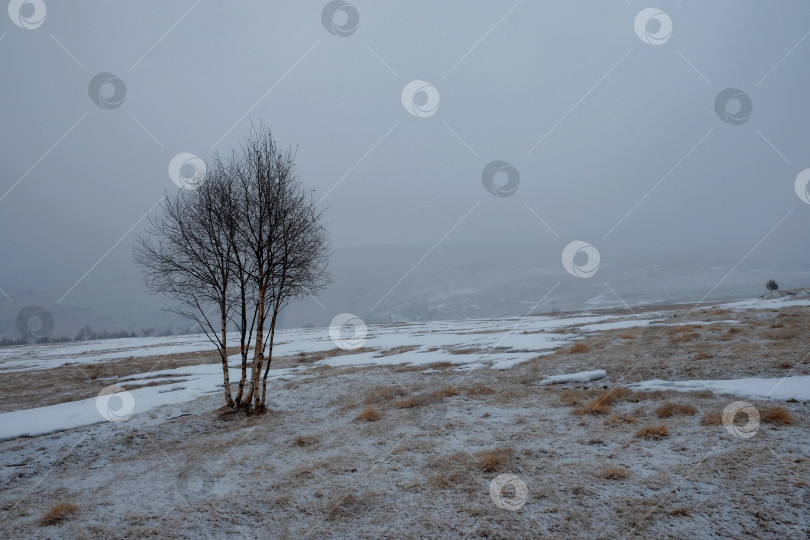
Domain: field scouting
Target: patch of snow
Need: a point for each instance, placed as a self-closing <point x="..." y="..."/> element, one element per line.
<point x="581" y="377"/>
<point x="777" y="388"/>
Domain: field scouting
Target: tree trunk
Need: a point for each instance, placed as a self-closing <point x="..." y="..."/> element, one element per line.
<point x="226" y="379"/>
<point x="269" y="354"/>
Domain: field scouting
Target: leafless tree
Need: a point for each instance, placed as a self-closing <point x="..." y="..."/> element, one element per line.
<point x="248" y="241"/>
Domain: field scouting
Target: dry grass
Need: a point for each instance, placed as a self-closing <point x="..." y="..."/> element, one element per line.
<point x="616" y="420"/>
<point x="440" y="480"/>
<point x="601" y="405"/>
<point x="652" y="433"/>
<point x="383" y="394"/>
<point x="57" y="513"/>
<point x="448" y="391"/>
<point x="683" y="338"/>
<point x="369" y="414"/>
<point x="614" y="473"/>
<point x="572" y="398"/>
<point x="408" y="403"/>
<point x="680" y="512"/>
<point x="627" y="336"/>
<point x="494" y="460"/>
<point x="303" y="440"/>
<point x="668" y="410"/>
<point x="702" y="355"/>
<point x="712" y="419"/>
<point x="479" y="390"/>
<point x="776" y="415"/>
<point x="578" y="348"/>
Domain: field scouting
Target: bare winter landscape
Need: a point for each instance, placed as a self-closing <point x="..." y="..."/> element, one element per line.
<point x="345" y="269"/>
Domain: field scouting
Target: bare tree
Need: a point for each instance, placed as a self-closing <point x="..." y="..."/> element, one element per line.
<point x="187" y="256"/>
<point x="246" y="243"/>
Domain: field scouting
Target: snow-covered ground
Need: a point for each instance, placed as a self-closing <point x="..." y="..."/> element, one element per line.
<point x="472" y="344"/>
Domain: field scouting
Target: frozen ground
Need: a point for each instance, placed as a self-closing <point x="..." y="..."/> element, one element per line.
<point x="457" y="404"/>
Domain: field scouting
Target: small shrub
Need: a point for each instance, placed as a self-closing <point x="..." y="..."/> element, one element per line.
<point x="668" y="410"/>
<point x="57" y="513"/>
<point x="652" y="433"/>
<point x="776" y="415"/>
<point x="494" y="460"/>
<point x="578" y="348"/>
<point x="369" y="414"/>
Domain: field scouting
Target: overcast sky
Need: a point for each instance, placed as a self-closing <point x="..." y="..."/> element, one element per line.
<point x="614" y="133"/>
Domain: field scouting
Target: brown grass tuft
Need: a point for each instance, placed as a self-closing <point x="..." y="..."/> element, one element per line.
<point x="668" y="410"/>
<point x="381" y="394"/>
<point x="680" y="512"/>
<point x="627" y="336"/>
<point x="577" y="348"/>
<point x="616" y="420"/>
<point x="601" y="405"/>
<point x="448" y="391"/>
<point x="652" y="433"/>
<point x="712" y="419"/>
<point x="369" y="414"/>
<point x="408" y="403"/>
<point x="776" y="415"/>
<point x="479" y="390"/>
<point x="57" y="513"/>
<point x="303" y="440"/>
<point x="494" y="460"/>
<point x="614" y="473"/>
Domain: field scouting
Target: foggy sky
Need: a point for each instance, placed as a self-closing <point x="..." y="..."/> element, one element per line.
<point x="616" y="116"/>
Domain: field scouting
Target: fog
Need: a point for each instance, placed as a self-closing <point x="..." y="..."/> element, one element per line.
<point x="615" y="138"/>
